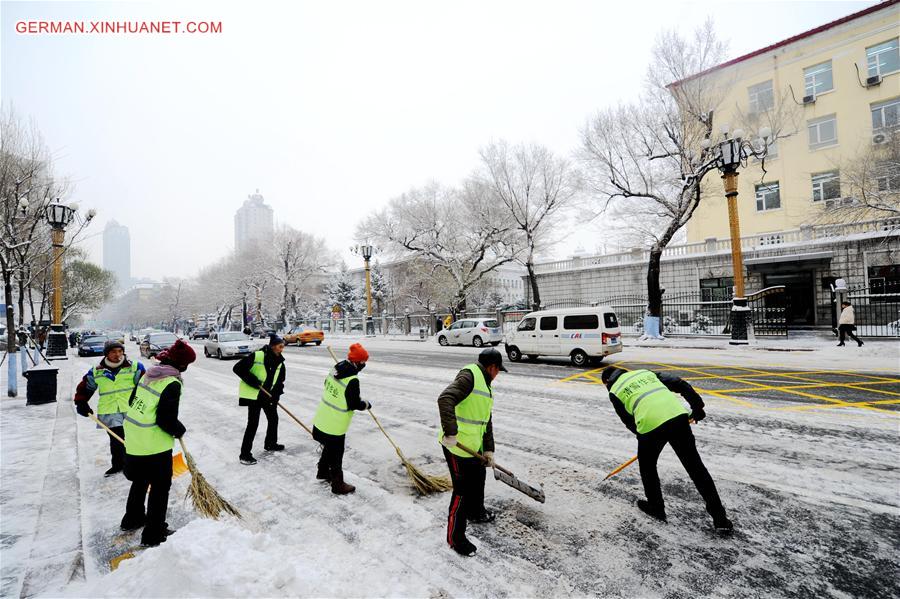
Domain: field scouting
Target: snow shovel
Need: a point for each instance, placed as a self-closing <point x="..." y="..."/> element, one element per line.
<point x="508" y="478"/>
<point x="179" y="467"/>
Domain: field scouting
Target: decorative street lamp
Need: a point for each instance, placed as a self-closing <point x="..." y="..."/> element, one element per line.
<point x="59" y="216"/>
<point x="366" y="252"/>
<point x="733" y="153"/>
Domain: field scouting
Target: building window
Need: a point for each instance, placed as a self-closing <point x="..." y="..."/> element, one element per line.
<point x="716" y="289"/>
<point x="883" y="58"/>
<point x="886" y="115"/>
<point x="762" y="98"/>
<point x="888" y="179"/>
<point x="826" y="186"/>
<point x="822" y="132"/>
<point x="768" y="197"/>
<point x="817" y="79"/>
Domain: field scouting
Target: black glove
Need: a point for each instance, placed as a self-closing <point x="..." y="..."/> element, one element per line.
<point x="698" y="415"/>
<point x="83" y="408"/>
<point x="367" y="404"/>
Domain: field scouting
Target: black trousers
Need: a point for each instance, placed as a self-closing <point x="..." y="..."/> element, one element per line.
<point x="332" y="457"/>
<point x="677" y="433"/>
<point x="153" y="471"/>
<point x="116" y="449"/>
<point x="253" y="409"/>
<point x="847" y="329"/>
<point x="467" y="501"/>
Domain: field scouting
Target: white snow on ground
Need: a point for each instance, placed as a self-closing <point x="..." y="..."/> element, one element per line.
<point x="814" y="494"/>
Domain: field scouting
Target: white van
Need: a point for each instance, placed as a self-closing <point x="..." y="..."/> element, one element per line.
<point x="580" y="333"/>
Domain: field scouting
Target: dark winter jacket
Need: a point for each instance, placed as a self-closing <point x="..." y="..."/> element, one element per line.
<point x="458" y="390"/>
<point x="167" y="410"/>
<point x="342" y="370"/>
<point x="674" y="384"/>
<point x="271" y="360"/>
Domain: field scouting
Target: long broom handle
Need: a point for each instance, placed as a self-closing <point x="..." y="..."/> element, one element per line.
<point x="483" y="459"/>
<point x="634" y="459"/>
<point x="289" y="413"/>
<point x="109" y="430"/>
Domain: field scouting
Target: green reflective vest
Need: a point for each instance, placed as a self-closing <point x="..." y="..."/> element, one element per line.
<point x="472" y="415"/>
<point x="258" y="370"/>
<point x="114" y="393"/>
<point x="332" y="415"/>
<point x="142" y="435"/>
<point x="647" y="399"/>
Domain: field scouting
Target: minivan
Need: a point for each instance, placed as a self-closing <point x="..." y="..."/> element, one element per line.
<point x="472" y="331"/>
<point x="583" y="334"/>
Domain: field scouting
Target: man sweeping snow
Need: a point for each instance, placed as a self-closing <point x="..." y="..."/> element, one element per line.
<point x="262" y="384"/>
<point x="647" y="405"/>
<point x="114" y="379"/>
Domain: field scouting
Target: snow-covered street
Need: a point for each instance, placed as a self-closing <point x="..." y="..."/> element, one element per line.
<point x="813" y="492"/>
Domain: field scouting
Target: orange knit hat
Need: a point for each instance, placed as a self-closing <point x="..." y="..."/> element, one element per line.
<point x="357" y="353"/>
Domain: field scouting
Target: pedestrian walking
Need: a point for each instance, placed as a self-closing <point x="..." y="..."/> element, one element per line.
<point x="465" y="409"/>
<point x="114" y="379"/>
<point x="340" y="399"/>
<point x="847" y="324"/>
<point x="151" y="427"/>
<point x="73" y="339"/>
<point x="262" y="384"/>
<point x="648" y="406"/>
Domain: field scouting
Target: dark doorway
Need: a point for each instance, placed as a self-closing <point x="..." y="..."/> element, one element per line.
<point x="801" y="295"/>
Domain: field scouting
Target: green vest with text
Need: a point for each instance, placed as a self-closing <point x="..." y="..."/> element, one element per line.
<point x="332" y="415"/>
<point x="258" y="370"/>
<point x="142" y="435"/>
<point x="472" y="415"/>
<point x="114" y="393"/>
<point x="647" y="399"/>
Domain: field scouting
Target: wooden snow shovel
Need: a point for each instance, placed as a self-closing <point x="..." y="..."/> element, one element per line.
<point x="179" y="467"/>
<point x="508" y="478"/>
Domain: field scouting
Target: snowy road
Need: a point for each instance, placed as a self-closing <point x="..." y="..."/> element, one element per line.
<point x="813" y="493"/>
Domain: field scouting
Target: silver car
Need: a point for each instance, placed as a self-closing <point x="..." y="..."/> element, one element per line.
<point x="230" y="344"/>
<point x="472" y="331"/>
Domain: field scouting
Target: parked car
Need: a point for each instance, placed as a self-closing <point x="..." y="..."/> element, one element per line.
<point x="583" y="334"/>
<point x="472" y="331"/>
<point x="156" y="342"/>
<point x="199" y="333"/>
<point x="92" y="345"/>
<point x="263" y="332"/>
<point x="116" y="335"/>
<point x="140" y="335"/>
<point x="303" y="334"/>
<point x="230" y="344"/>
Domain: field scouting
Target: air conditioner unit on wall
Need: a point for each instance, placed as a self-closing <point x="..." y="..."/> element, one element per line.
<point x="809" y="99"/>
<point x="873" y="81"/>
<point x="831" y="204"/>
<point x="880" y="137"/>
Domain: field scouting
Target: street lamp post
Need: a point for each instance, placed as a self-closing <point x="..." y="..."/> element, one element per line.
<point x="732" y="153"/>
<point x="366" y="252"/>
<point x="59" y="216"/>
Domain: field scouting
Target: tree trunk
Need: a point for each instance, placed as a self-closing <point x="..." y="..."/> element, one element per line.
<point x="654" y="293"/>
<point x="10" y="325"/>
<point x="535" y="294"/>
<point x="21" y="301"/>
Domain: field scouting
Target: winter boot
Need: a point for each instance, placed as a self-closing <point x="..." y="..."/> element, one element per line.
<point x="248" y="460"/>
<point x="841" y="344"/>
<point x="276" y="447"/>
<point x="653" y="512"/>
<point x="722" y="524"/>
<point x="484" y="517"/>
<point x="860" y="344"/>
<point x="132" y="522"/>
<point x="153" y="537"/>
<point x="322" y="472"/>
<point x="338" y="486"/>
<point x="464" y="547"/>
<point x="112" y="471"/>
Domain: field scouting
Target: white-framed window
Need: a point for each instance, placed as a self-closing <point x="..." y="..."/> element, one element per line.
<point x="762" y="97"/>
<point x="885" y="115"/>
<point x="822" y="131"/>
<point x="768" y="197"/>
<point x="888" y="179"/>
<point x="826" y="186"/>
<point x="817" y="79"/>
<point x="883" y="58"/>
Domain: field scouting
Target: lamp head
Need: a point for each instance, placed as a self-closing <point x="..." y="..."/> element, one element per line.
<point x="739" y="133"/>
<point x="765" y="132"/>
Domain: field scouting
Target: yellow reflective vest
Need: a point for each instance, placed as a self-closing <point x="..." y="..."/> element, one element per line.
<point x="113" y="394"/>
<point x="332" y="415"/>
<point x="647" y="399"/>
<point x="258" y="370"/>
<point x="142" y="435"/>
<point x="472" y="415"/>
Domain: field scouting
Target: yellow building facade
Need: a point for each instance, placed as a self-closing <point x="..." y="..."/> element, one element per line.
<point x="835" y="90"/>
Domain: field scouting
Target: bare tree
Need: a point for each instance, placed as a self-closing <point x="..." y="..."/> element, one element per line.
<point x="534" y="186"/>
<point x="867" y="185"/>
<point x="464" y="233"/>
<point x="296" y="257"/>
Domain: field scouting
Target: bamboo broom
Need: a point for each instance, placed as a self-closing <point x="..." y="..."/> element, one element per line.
<point x="178" y="465"/>
<point x="422" y="482"/>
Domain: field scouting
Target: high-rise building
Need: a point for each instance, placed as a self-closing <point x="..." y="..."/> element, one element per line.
<point x="117" y="253"/>
<point x="254" y="222"/>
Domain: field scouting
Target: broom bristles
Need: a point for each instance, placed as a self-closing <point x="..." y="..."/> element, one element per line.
<point x="204" y="497"/>
<point x="424" y="484"/>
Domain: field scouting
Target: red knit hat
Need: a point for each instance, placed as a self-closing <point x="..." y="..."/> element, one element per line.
<point x="357" y="353"/>
<point x="179" y="355"/>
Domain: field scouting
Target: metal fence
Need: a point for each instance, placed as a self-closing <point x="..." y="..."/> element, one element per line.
<point x="876" y="308"/>
<point x="768" y="312"/>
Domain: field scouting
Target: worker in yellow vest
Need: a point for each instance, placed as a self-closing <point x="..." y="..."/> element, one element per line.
<point x="151" y="427"/>
<point x="114" y="380"/>
<point x="647" y="404"/>
<point x="340" y="398"/>
<point x="465" y="408"/>
<point x="261" y="386"/>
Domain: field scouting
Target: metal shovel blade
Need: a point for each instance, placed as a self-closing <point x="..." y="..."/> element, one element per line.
<point x="508" y="478"/>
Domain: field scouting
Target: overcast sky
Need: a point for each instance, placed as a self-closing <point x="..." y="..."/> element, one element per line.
<point x="329" y="108"/>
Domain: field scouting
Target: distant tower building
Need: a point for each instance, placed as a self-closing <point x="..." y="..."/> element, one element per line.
<point x="254" y="222"/>
<point x="117" y="253"/>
